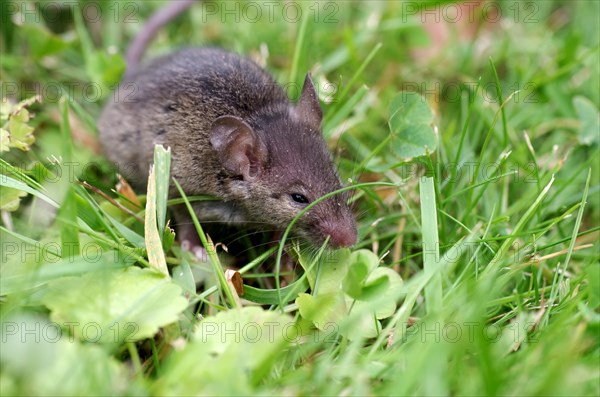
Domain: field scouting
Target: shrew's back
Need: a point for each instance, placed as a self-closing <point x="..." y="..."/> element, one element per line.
<point x="174" y="101"/>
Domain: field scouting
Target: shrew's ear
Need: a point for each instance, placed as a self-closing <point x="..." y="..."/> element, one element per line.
<point x="308" y="107"/>
<point x="240" y="149"/>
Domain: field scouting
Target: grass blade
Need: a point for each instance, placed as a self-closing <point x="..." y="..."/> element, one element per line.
<point x="431" y="244"/>
<point x="162" y="167"/>
<point x="556" y="286"/>
<point x="492" y="267"/>
<point x="154" y="248"/>
<point x="298" y="48"/>
<point x="501" y="103"/>
<point x="210" y="250"/>
<point x="340" y="98"/>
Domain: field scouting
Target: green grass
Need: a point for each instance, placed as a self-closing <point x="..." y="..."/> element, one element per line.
<point x="494" y="227"/>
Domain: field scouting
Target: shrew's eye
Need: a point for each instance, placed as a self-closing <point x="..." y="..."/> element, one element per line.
<point x="299" y="198"/>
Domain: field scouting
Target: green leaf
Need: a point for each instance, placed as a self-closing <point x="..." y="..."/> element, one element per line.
<point x="323" y="310"/>
<point x="231" y="353"/>
<point x="590" y="120"/>
<point x="183" y="276"/>
<point x="121" y="305"/>
<point x="16" y="132"/>
<point x="4" y="140"/>
<point x="10" y="198"/>
<point x="357" y="275"/>
<point x="19" y="276"/>
<point x="364" y="323"/>
<point x="358" y="284"/>
<point x="21" y="135"/>
<point x="49" y="363"/>
<point x="366" y="257"/>
<point x="330" y="272"/>
<point x="42" y="42"/>
<point x="168" y="238"/>
<point x="112" y="67"/>
<point x="374" y="287"/>
<point x="353" y="282"/>
<point x="409" y="108"/>
<point x="375" y="300"/>
<point x="410" y="125"/>
<point x="9" y="182"/>
<point x="388" y="293"/>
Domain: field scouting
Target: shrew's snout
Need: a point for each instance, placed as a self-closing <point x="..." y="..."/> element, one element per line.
<point x="342" y="232"/>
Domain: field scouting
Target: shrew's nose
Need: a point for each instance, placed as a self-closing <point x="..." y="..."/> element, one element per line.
<point x="341" y="236"/>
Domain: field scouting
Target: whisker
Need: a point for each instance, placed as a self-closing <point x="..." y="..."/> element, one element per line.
<point x="248" y="234"/>
<point x="224" y="223"/>
<point x="361" y="213"/>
